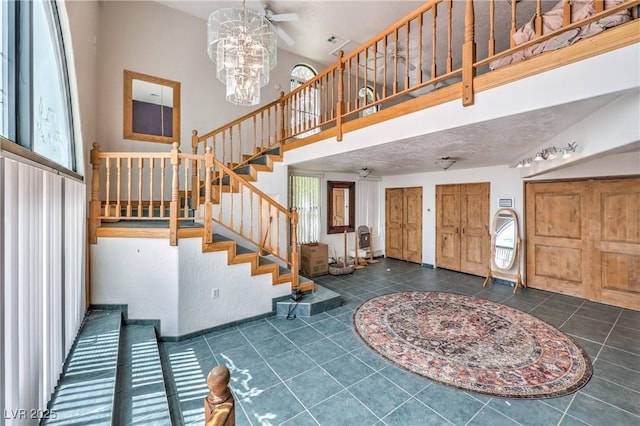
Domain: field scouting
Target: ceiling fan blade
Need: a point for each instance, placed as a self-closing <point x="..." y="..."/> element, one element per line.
<point x="283" y="17"/>
<point x="284" y="36"/>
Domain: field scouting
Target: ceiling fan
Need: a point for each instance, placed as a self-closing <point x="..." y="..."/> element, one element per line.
<point x="278" y="17"/>
<point x="392" y="53"/>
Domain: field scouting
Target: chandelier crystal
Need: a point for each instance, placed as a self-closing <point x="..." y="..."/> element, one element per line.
<point x="243" y="45"/>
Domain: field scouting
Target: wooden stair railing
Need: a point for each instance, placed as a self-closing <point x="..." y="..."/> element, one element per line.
<point x="395" y="63"/>
<point x="155" y="186"/>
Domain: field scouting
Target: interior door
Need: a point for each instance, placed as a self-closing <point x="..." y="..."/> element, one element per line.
<point x="448" y="226"/>
<point x="616" y="242"/>
<point x="412" y="219"/>
<point x="557" y="254"/>
<point x="393" y="222"/>
<point x="475" y="240"/>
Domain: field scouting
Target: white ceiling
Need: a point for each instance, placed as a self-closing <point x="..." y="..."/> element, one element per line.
<point x="489" y="143"/>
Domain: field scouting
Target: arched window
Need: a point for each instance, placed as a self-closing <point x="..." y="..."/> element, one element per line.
<point x="306" y="106"/>
<point x="37" y="114"/>
<point x="367" y="96"/>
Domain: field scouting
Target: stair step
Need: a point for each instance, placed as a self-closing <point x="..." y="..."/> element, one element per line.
<point x="141" y="397"/>
<point x="86" y="391"/>
<point x="320" y="300"/>
<point x="273" y="151"/>
<point x="243" y="170"/>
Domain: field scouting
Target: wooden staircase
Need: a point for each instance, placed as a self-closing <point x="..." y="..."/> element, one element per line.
<point x="237" y="254"/>
<point x="258" y="162"/>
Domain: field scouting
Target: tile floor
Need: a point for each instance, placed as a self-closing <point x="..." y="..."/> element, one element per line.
<point x="316" y="370"/>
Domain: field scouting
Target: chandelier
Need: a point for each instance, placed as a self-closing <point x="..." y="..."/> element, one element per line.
<point x="242" y="43"/>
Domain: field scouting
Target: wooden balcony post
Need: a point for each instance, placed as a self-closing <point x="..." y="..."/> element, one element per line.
<point x="174" y="205"/>
<point x="219" y="404"/>
<point x="94" y="204"/>
<point x="340" y="104"/>
<point x="208" y="203"/>
<point x="295" y="262"/>
<point x="195" y="177"/>
<point x="468" y="56"/>
<point x="283" y="131"/>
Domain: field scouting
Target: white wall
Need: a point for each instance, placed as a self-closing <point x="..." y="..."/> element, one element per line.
<point x="80" y="27"/>
<point x="140" y="272"/>
<point x="504" y="183"/>
<point x="147" y="37"/>
<point x="174" y="284"/>
<point x="610" y="129"/>
<point x="241" y="295"/>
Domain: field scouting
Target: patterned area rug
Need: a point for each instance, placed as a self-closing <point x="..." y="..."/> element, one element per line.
<point x="473" y="344"/>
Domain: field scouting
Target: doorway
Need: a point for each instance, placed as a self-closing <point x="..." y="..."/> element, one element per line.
<point x="463" y="241"/>
<point x="403" y="224"/>
<point x="583" y="239"/>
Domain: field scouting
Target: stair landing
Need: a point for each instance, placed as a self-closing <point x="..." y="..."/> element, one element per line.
<point x="320" y="300"/>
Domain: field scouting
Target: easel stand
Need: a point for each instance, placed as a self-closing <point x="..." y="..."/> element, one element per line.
<point x="497" y="274"/>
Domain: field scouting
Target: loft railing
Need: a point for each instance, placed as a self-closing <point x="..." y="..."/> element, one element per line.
<point x="160" y="186"/>
<point x="421" y="53"/>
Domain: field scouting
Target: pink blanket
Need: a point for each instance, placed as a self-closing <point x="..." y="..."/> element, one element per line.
<point x="553" y="20"/>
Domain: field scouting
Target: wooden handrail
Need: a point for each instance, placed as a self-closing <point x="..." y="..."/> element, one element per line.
<point x="240" y="206"/>
<point x="335" y="89"/>
<point x="593" y="18"/>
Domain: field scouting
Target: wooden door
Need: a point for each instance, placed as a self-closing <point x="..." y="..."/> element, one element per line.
<point x="475" y="240"/>
<point x="583" y="239"/>
<point x="557" y="258"/>
<point x="412" y="220"/>
<point x="393" y="222"/>
<point x="448" y="226"/>
<point x="616" y="242"/>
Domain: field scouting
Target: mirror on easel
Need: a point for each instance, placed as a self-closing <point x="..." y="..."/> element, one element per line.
<point x="505" y="248"/>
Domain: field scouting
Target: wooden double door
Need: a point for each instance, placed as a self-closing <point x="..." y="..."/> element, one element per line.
<point x="463" y="241"/>
<point x="403" y="224"/>
<point x="583" y="239"/>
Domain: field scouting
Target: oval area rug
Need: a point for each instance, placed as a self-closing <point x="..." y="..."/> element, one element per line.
<point x="473" y="344"/>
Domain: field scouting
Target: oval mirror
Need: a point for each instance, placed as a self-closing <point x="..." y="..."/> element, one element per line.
<point x="505" y="237"/>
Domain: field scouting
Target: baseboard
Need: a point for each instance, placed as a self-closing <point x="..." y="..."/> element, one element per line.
<point x="428" y="265"/>
<point x="215" y="328"/>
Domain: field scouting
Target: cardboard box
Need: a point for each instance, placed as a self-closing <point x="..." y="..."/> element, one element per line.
<point x="314" y="259"/>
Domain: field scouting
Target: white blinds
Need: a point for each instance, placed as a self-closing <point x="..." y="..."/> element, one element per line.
<point x="42" y="291"/>
<point x="368" y="204"/>
<point x="305" y="196"/>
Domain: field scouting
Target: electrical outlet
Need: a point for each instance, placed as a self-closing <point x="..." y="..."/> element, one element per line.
<point x="215" y="293"/>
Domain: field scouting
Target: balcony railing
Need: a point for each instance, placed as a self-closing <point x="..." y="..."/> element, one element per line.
<point x="438" y="45"/>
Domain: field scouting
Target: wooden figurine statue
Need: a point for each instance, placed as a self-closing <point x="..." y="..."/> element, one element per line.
<point x="219" y="405"/>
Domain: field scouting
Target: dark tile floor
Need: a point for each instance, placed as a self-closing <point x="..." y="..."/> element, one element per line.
<point x="316" y="370"/>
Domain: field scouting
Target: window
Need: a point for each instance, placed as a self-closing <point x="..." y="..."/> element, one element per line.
<point x="367" y="96"/>
<point x="5" y="86"/>
<point x="305" y="197"/>
<point x="306" y="108"/>
<point x="35" y="98"/>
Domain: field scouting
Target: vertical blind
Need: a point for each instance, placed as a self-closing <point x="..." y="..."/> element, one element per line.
<point x="305" y="197"/>
<point x="368" y="204"/>
<point x="42" y="290"/>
